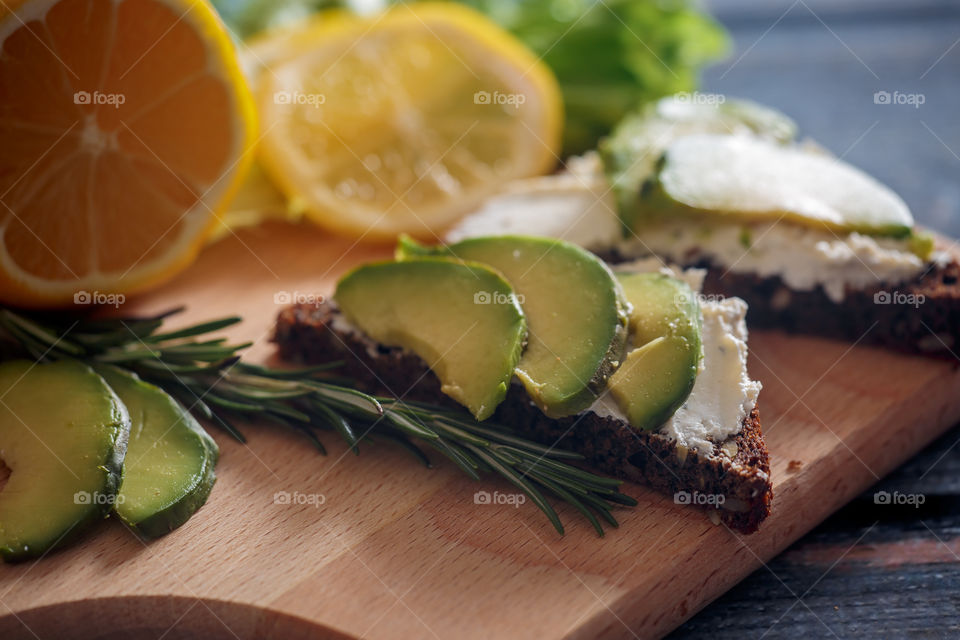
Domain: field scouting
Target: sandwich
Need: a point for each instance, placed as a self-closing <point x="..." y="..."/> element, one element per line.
<point x="812" y="244"/>
<point x="629" y="366"/>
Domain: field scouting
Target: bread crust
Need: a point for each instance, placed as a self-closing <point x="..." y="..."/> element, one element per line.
<point x="919" y="316"/>
<point x="314" y="333"/>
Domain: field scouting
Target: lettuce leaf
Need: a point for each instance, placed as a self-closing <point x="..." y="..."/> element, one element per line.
<point x="612" y="56"/>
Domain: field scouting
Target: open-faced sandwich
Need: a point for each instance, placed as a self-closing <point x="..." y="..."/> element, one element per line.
<point x="811" y="243"/>
<point x="630" y="367"/>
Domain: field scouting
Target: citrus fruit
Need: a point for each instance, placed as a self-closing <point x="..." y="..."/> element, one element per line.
<point x="402" y="121"/>
<point x="125" y="126"/>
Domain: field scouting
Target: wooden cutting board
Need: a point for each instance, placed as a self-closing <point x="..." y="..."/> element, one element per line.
<point x="376" y="546"/>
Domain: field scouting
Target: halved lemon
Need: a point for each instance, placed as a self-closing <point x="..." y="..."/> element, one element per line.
<point x="403" y="121"/>
<point x="124" y="127"/>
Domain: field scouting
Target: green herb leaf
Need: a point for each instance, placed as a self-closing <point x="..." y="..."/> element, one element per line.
<point x="207" y="376"/>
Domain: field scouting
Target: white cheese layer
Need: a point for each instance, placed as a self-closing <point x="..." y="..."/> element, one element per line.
<point x="579" y="207"/>
<point x="723" y="393"/>
<point x="801" y="256"/>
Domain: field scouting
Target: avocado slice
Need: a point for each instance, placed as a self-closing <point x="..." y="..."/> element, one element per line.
<point x="631" y="152"/>
<point x="168" y="471"/>
<point x="658" y="375"/>
<point x="745" y="179"/>
<point x="575" y="310"/>
<point x="63" y="434"/>
<point x="462" y="318"/>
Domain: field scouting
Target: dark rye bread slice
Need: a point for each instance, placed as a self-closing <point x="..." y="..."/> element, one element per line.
<point x="884" y="314"/>
<point x="314" y="333"/>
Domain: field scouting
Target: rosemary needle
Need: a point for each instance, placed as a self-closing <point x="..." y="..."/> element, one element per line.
<point x="208" y="377"/>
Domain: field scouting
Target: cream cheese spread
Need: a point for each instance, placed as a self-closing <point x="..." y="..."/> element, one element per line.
<point x="578" y="206"/>
<point x="802" y="257"/>
<point x="723" y="393"/>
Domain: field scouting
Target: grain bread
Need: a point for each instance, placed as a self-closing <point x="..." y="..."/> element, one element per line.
<point x="920" y="316"/>
<point x="738" y="470"/>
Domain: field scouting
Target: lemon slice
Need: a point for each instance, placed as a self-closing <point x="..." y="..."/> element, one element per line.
<point x="256" y="201"/>
<point x="124" y="129"/>
<point x="404" y="121"/>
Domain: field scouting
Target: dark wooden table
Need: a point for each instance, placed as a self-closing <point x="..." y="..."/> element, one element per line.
<point x="871" y="570"/>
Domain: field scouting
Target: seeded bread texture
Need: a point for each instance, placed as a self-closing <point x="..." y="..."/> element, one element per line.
<point x="920" y="316"/>
<point x="738" y="469"/>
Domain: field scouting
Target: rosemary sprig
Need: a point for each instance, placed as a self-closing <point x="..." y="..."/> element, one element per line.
<point x="208" y="377"/>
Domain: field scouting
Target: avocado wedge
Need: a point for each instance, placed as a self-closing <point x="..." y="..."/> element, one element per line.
<point x="739" y="178"/>
<point x="631" y="152"/>
<point x="462" y="319"/>
<point x="168" y="471"/>
<point x="63" y="434"/>
<point x="658" y="375"/>
<point x="575" y="311"/>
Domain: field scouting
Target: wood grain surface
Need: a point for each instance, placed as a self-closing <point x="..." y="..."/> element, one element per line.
<point x="821" y="61"/>
<point x="376" y="546"/>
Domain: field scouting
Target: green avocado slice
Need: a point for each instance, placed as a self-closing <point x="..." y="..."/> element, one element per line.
<point x="746" y="179"/>
<point x="168" y="472"/>
<point x="461" y="318"/>
<point x="63" y="435"/>
<point x="575" y="311"/>
<point x="631" y="152"/>
<point x="658" y="375"/>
